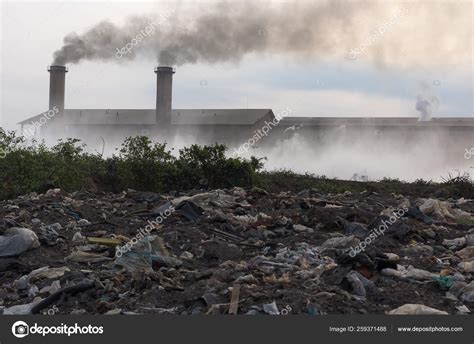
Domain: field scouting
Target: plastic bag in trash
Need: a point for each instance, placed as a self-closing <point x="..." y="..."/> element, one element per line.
<point x="16" y="241"/>
<point x="146" y="253"/>
<point x="138" y="257"/>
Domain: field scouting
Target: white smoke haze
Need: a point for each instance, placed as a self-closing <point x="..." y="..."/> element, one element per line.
<point x="341" y="154"/>
<point x="427" y="103"/>
<point x="222" y="32"/>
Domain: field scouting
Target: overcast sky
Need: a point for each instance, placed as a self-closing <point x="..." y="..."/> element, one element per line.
<point x="310" y="86"/>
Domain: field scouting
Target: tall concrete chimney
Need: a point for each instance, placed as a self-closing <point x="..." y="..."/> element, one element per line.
<point x="57" y="80"/>
<point x="164" y="94"/>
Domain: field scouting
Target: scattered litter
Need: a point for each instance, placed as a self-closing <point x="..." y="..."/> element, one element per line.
<point x="190" y="210"/>
<point x="445" y="282"/>
<point x="235" y="251"/>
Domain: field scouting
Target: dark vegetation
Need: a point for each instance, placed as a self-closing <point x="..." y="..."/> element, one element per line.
<point x="144" y="165"/>
<point x="458" y="186"/>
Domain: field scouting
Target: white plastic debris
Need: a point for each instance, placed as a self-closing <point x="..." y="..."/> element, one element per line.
<point x="16" y="241"/>
<point x="463" y="309"/>
<point x="21" y="309"/>
<point x="466" y="254"/>
<point x="78" y="238"/>
<point x="341" y="242"/>
<point x="409" y="273"/>
<point x="443" y="210"/>
<point x="416" y="309"/>
<point x="271" y="308"/>
<point x="392" y="256"/>
<point x="301" y="228"/>
<point x="467" y="266"/>
<point x="455" y="244"/>
<point x="47" y="272"/>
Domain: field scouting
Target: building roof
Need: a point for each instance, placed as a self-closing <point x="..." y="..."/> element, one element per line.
<point x="218" y="116"/>
<point x="378" y="121"/>
<point x="237" y="117"/>
<point x="148" y="116"/>
<point x="31" y="119"/>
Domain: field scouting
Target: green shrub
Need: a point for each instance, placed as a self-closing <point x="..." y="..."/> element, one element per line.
<point x="140" y="164"/>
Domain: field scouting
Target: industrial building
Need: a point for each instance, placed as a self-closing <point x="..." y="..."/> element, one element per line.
<point x="230" y="126"/>
<point x="163" y="122"/>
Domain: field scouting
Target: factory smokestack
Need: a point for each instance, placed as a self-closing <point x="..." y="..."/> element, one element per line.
<point x="57" y="80"/>
<point x="164" y="90"/>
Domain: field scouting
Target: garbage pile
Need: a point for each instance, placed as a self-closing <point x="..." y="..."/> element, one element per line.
<point x="237" y="251"/>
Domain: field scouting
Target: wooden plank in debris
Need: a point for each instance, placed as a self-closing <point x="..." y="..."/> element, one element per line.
<point x="234" y="300"/>
<point x="104" y="241"/>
